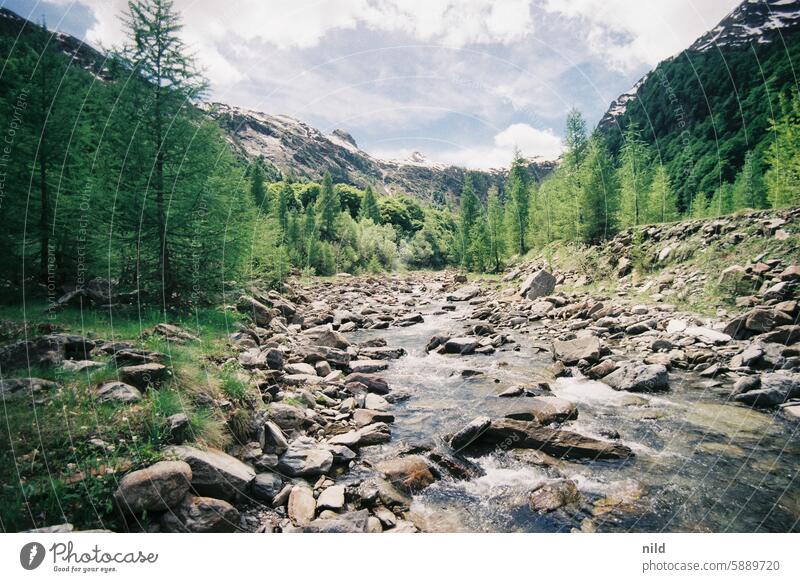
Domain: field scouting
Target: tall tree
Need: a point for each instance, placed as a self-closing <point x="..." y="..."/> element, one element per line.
<point x="575" y="144"/>
<point x="328" y="207"/>
<point x="633" y="178"/>
<point x="470" y="210"/>
<point x="494" y="216"/>
<point x="170" y="78"/>
<point x="748" y="189"/>
<point x="518" y="204"/>
<point x="783" y="155"/>
<point x="257" y="189"/>
<point x="662" y="201"/>
<point x="598" y="197"/>
<point x="369" y="207"/>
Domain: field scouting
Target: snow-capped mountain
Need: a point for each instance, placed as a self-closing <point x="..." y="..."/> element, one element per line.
<point x="759" y="22"/>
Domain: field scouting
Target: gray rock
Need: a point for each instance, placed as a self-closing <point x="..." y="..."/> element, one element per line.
<point x="464" y="293"/>
<point x="324" y="335"/>
<point x="300" y="368"/>
<point x="368" y="366"/>
<point x="776" y="388"/>
<point x="351" y="522"/>
<point x="24" y="387"/>
<point x="634" y="377"/>
<point x="305" y="458"/>
<point x="573" y="351"/>
<point x="362" y="417"/>
<point x="543" y="410"/>
<point x="470" y="432"/>
<point x="539" y="284"/>
<point x="156" y="488"/>
<point x="302" y="505"/>
<point x="551" y="496"/>
<point x="461" y="345"/>
<point x="214" y="473"/>
<point x="201" y="515"/>
<point x="409" y="473"/>
<point x="143" y="375"/>
<point x="374" y="383"/>
<point x="117" y="392"/>
<point x="331" y="498"/>
<point x="266" y="486"/>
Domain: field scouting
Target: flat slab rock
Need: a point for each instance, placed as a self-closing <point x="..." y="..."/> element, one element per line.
<point x="558" y="443"/>
<point x="634" y="377"/>
<point x="214" y="473"/>
<point x="572" y="351"/>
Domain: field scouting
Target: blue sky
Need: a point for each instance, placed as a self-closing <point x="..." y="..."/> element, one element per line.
<point x="463" y="82"/>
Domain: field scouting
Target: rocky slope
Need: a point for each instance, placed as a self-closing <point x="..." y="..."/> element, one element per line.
<point x="300" y="150"/>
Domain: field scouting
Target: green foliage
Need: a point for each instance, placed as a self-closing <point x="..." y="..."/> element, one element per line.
<point x="369" y="206"/>
<point x="403" y="212"/>
<point x="517" y="209"/>
<point x="783" y="155"/>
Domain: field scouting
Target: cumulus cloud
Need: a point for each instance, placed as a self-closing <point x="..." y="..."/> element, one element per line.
<point x="631" y="32"/>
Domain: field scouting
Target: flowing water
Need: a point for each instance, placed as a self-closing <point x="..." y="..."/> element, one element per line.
<point x="701" y="464"/>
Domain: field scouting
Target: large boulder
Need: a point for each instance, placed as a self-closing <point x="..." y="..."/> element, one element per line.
<point x="409" y="473"/>
<point x="156" y="488"/>
<point x="215" y="473"/>
<point x="324" y="335"/>
<point x="266" y="486"/>
<point x="201" y="515"/>
<point x="573" y="351"/>
<point x="374" y="384"/>
<point x="543" y="410"/>
<point x="143" y="375"/>
<point x="24" y="387"/>
<point x="117" y="392"/>
<point x="539" y="284"/>
<point x="507" y="433"/>
<point x="46" y="350"/>
<point x="262" y="315"/>
<point x="461" y="345"/>
<point x="302" y="505"/>
<point x="469" y="433"/>
<point x="350" y="522"/>
<point x="551" y="496"/>
<point x="772" y="390"/>
<point x="371" y="434"/>
<point x="305" y="458"/>
<point x="635" y="377"/>
<point x="464" y="293"/>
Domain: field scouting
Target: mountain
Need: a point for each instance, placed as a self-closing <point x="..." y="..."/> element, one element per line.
<point x="297" y="149"/>
<point x="300" y="150"/>
<point x="706" y="107"/>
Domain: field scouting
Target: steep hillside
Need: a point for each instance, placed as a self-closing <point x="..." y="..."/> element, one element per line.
<point x="706" y="107"/>
<point x="299" y="150"/>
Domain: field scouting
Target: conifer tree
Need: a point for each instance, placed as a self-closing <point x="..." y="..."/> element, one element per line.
<point x="633" y="179"/>
<point x="494" y="216"/>
<point x="369" y="207"/>
<point x="257" y="189"/>
<point x="783" y="155"/>
<point x="470" y="209"/>
<point x="597" y="192"/>
<point x="748" y="189"/>
<point x="518" y="205"/>
<point x="662" y="201"/>
<point x="328" y="207"/>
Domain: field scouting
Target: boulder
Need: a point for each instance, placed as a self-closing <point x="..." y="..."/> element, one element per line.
<point x="156" y="488"/>
<point x="371" y="434"/>
<point x="300" y="368"/>
<point x="409" y="473"/>
<point x="305" y="458"/>
<point x="286" y="416"/>
<point x="374" y="384"/>
<point x="539" y="284"/>
<point x="351" y="522"/>
<point x="572" y="351"/>
<point x="13" y="388"/>
<point x="551" y="496"/>
<point x="634" y="377"/>
<point x="461" y="345"/>
<point x="707" y="335"/>
<point x="325" y="336"/>
<point x="543" y="410"/>
<point x="214" y="473"/>
<point x="143" y="375"/>
<point x="362" y="417"/>
<point x="117" y="392"/>
<point x="201" y="515"/>
<point x="509" y="434"/>
<point x="262" y="315"/>
<point x="775" y="388"/>
<point x="469" y="433"/>
<point x="464" y="293"/>
<point x="266" y="486"/>
<point x="302" y="505"/>
<point x="331" y="498"/>
<point x="368" y="366"/>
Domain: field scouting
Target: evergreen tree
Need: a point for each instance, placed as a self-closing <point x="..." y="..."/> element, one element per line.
<point x="470" y="209"/>
<point x="369" y="207"/>
<point x="282" y="209"/>
<point x="518" y="205"/>
<point x="633" y="179"/>
<point x="722" y="201"/>
<point x="257" y="189"/>
<point x="783" y="155"/>
<point x="662" y="202"/>
<point x="575" y="144"/>
<point x="168" y="76"/>
<point x="748" y="189"/>
<point x="494" y="216"/>
<point x="597" y="192"/>
<point x="699" y="207"/>
<point x="328" y="207"/>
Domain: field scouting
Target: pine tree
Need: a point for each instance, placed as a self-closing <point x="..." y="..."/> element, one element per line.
<point x="597" y="193"/>
<point x="748" y="189"/>
<point x="575" y="143"/>
<point x="282" y="209"/>
<point x="470" y="209"/>
<point x="783" y="155"/>
<point x="168" y="76"/>
<point x="518" y="205"/>
<point x="662" y="202"/>
<point x="257" y="189"/>
<point x="494" y="215"/>
<point x="369" y="207"/>
<point x="633" y="179"/>
<point x="328" y="207"/>
<point x="722" y="201"/>
<point x="699" y="207"/>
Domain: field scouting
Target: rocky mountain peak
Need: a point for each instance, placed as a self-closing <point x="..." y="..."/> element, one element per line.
<point x="752" y="21"/>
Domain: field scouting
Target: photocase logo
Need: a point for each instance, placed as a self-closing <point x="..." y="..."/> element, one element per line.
<point x="31" y="555"/>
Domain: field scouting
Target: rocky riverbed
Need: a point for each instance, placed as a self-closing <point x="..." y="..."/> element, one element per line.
<point x="426" y="403"/>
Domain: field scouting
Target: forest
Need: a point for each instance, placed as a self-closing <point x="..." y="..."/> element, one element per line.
<point x="116" y="172"/>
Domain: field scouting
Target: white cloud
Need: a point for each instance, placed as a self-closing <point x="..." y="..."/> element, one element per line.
<point x="632" y="32"/>
<point x="532" y="143"/>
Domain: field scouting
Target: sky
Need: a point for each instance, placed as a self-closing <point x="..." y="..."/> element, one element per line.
<point x="462" y="81"/>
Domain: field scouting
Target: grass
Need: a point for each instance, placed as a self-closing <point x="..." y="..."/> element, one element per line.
<point x="50" y="472"/>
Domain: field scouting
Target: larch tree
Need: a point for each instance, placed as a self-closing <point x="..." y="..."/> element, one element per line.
<point x="518" y="204"/>
<point x="633" y="174"/>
